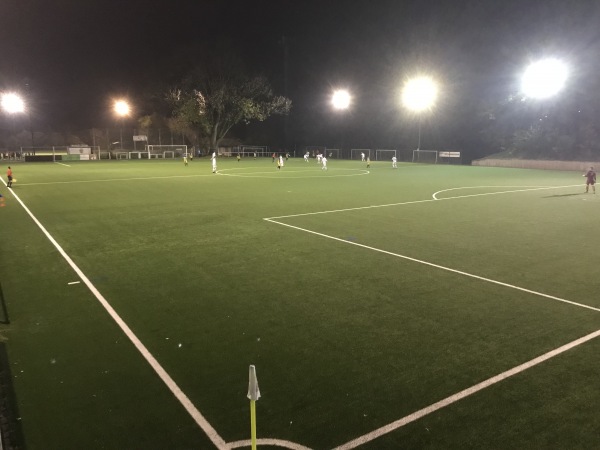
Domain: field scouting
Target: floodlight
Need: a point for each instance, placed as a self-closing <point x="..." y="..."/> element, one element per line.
<point x="544" y="78"/>
<point x="12" y="103"/>
<point x="121" y="108"/>
<point x="341" y="99"/>
<point x="419" y="94"/>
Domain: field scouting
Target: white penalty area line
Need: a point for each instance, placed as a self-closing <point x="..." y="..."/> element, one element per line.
<point x="464" y="393"/>
<point x="160" y="371"/>
<point x="413" y="202"/>
<point x="437" y="266"/>
<point x="62" y="164"/>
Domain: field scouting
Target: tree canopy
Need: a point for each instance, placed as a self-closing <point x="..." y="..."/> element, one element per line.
<point x="212" y="99"/>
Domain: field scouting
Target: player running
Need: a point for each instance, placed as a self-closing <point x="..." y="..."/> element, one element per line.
<point x="324" y="162"/>
<point x="306" y="155"/>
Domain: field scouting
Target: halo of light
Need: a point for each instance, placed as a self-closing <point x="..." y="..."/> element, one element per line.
<point x="122" y="108"/>
<point x="12" y="103"/>
<point x="544" y="78"/>
<point x="341" y="99"/>
<point x="419" y="94"/>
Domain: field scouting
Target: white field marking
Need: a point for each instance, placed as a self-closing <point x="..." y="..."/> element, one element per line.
<point x="62" y="164"/>
<point x="74" y="282"/>
<point x="437" y="266"/>
<point x="273" y="442"/>
<point x="429" y="200"/>
<point x="160" y="371"/>
<point x="529" y="188"/>
<point x="116" y="179"/>
<point x="272" y="174"/>
<point x="465" y="393"/>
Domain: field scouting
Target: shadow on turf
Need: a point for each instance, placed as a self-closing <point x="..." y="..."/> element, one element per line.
<point x="564" y="195"/>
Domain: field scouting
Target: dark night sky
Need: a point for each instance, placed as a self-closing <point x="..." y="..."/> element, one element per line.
<point x="78" y="54"/>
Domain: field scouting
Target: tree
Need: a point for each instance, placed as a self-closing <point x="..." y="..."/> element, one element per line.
<point x="213" y="100"/>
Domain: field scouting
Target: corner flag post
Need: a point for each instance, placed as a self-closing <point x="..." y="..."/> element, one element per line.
<point x="253" y="395"/>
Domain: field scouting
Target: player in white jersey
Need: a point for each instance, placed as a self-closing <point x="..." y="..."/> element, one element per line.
<point x="362" y="156"/>
<point x="306" y="155"/>
<point x="394" y="162"/>
<point x="319" y="158"/>
<point x="214" y="162"/>
<point x="324" y="162"/>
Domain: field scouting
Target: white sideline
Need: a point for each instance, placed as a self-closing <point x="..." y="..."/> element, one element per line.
<point x="464" y="393"/>
<point x="160" y="371"/>
<point x="117" y="179"/>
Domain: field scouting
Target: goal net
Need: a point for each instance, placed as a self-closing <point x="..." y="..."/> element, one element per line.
<point x="356" y="153"/>
<point x="332" y="153"/>
<point x="384" y="155"/>
<point x="167" y="151"/>
<point x="425" y="156"/>
<point x="248" y="151"/>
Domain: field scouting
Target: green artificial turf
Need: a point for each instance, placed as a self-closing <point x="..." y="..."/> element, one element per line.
<point x="346" y="338"/>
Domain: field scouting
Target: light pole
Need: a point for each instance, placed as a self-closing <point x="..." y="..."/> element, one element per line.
<point x="341" y="101"/>
<point x="122" y="109"/>
<point x="419" y="95"/>
<point x="12" y="104"/>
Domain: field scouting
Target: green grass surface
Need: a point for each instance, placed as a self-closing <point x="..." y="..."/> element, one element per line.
<point x="345" y="338"/>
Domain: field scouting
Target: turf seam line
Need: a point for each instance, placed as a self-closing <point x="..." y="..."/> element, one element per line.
<point x="437" y="266"/>
<point x="429" y="200"/>
<point x="464" y="393"/>
<point x="160" y="371"/>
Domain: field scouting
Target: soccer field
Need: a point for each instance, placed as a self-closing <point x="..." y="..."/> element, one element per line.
<point x="428" y="306"/>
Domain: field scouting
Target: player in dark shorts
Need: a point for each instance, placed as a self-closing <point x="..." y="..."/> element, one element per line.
<point x="590" y="179"/>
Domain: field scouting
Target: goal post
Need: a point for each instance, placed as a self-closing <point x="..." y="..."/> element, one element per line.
<point x="425" y="156"/>
<point x="248" y="151"/>
<point x="382" y="154"/>
<point x="356" y="153"/>
<point x="167" y="151"/>
<point x="333" y="153"/>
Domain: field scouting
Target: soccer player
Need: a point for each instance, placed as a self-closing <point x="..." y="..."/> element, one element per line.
<point x="2" y="201"/>
<point x="306" y="155"/>
<point x="362" y="156"/>
<point x="279" y="163"/>
<point x="185" y="161"/>
<point x="238" y="157"/>
<point x="214" y="162"/>
<point x="9" y="177"/>
<point x="590" y="176"/>
<point x="394" y="162"/>
<point x="319" y="158"/>
<point x="368" y="162"/>
<point x="324" y="162"/>
<point x="281" y="160"/>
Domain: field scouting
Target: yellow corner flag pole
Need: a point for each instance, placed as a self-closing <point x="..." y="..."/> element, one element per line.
<point x="253" y="395"/>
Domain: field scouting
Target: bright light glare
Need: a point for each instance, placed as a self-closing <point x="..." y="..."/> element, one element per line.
<point x="341" y="99"/>
<point x="121" y="108"/>
<point x="419" y="94"/>
<point x="544" y="78"/>
<point x="12" y="103"/>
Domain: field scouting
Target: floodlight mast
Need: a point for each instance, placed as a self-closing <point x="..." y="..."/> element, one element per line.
<point x="12" y="104"/>
<point x="341" y="101"/>
<point x="122" y="109"/>
<point x="419" y="95"/>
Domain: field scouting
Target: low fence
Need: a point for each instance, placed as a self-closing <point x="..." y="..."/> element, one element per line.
<point x="536" y="164"/>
